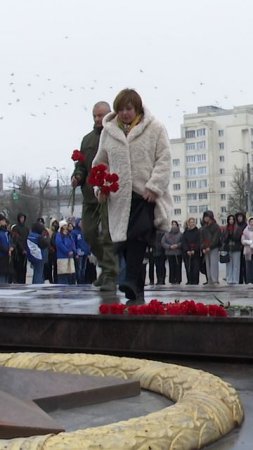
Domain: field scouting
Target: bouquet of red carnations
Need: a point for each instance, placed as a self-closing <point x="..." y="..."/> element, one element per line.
<point x="106" y="182"/>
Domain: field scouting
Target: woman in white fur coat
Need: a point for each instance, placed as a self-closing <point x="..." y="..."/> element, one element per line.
<point x="136" y="147"/>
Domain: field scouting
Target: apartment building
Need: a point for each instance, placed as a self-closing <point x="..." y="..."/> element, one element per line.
<point x="213" y="142"/>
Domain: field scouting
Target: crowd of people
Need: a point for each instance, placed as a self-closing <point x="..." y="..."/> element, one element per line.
<point x="202" y="249"/>
<point x="59" y="253"/>
<point x="127" y="228"/>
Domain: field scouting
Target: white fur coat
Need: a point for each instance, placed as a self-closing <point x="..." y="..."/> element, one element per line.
<point x="142" y="160"/>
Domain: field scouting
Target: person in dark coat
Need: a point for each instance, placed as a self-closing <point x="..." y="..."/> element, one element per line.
<point x="94" y="219"/>
<point x="159" y="257"/>
<point x="210" y="241"/>
<point x="172" y="242"/>
<point x="20" y="234"/>
<point x="191" y="251"/>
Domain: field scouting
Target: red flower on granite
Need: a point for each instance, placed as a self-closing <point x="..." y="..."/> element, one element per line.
<point x="157" y="308"/>
<point x="113" y="308"/>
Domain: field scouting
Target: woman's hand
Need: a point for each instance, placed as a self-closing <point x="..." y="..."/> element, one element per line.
<point x="101" y="197"/>
<point x="150" y="196"/>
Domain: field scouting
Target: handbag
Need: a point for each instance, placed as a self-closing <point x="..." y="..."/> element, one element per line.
<point x="65" y="265"/>
<point x="224" y="256"/>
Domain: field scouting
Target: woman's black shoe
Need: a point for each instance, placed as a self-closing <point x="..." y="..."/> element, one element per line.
<point x="129" y="289"/>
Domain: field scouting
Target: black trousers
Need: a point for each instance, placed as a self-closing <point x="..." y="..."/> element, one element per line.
<point x="175" y="266"/>
<point x="134" y="252"/>
<point x="139" y="234"/>
<point x="192" y="264"/>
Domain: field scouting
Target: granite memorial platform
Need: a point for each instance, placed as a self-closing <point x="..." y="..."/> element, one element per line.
<point x="66" y="319"/>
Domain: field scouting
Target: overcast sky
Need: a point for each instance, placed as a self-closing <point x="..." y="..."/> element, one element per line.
<point x="59" y="57"/>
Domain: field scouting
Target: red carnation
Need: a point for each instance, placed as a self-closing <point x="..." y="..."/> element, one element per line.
<point x="104" y="309"/>
<point x="78" y="156"/>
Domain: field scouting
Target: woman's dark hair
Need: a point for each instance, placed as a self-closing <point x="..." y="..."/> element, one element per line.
<point x="128" y="97"/>
<point x="37" y="227"/>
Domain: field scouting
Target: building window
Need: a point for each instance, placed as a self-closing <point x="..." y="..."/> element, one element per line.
<point x="176" y="187"/>
<point x="223" y="209"/>
<point x="202" y="184"/>
<point x="222" y="158"/>
<point x="190" y="146"/>
<point x="176" y="162"/>
<point x="222" y="184"/>
<point x="251" y="144"/>
<point x="190" y="159"/>
<point x="203" y="196"/>
<point x="191" y="196"/>
<point x="177" y="198"/>
<point x="190" y="134"/>
<point x="223" y="196"/>
<point x="201" y="132"/>
<point x="221" y="145"/>
<point x="177" y="212"/>
<point x="201" y="157"/>
<point x="176" y="174"/>
<point x="201" y="145"/>
<point x="193" y="209"/>
<point x="223" y="222"/>
<point x="203" y="208"/>
<point x="220" y="133"/>
<point x="191" y="172"/>
<point x="201" y="170"/>
<point x="191" y="184"/>
<point x="222" y="171"/>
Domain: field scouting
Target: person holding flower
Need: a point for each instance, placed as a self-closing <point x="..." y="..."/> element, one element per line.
<point x="135" y="146"/>
<point x="95" y="219"/>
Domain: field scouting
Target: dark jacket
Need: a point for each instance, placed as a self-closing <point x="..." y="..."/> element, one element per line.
<point x="231" y="237"/>
<point x="171" y="238"/>
<point x="210" y="236"/>
<point x="191" y="240"/>
<point x="4" y="251"/>
<point x="89" y="147"/>
<point x="20" y="235"/>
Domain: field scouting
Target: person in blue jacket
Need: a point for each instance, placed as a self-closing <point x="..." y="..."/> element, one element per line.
<point x="82" y="251"/>
<point x="66" y="254"/>
<point x="37" y="249"/>
<point x="5" y="251"/>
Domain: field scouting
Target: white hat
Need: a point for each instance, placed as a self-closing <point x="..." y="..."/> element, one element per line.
<point x="62" y="223"/>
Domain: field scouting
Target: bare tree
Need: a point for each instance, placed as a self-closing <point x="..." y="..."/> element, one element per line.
<point x="238" y="200"/>
<point x="27" y="196"/>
